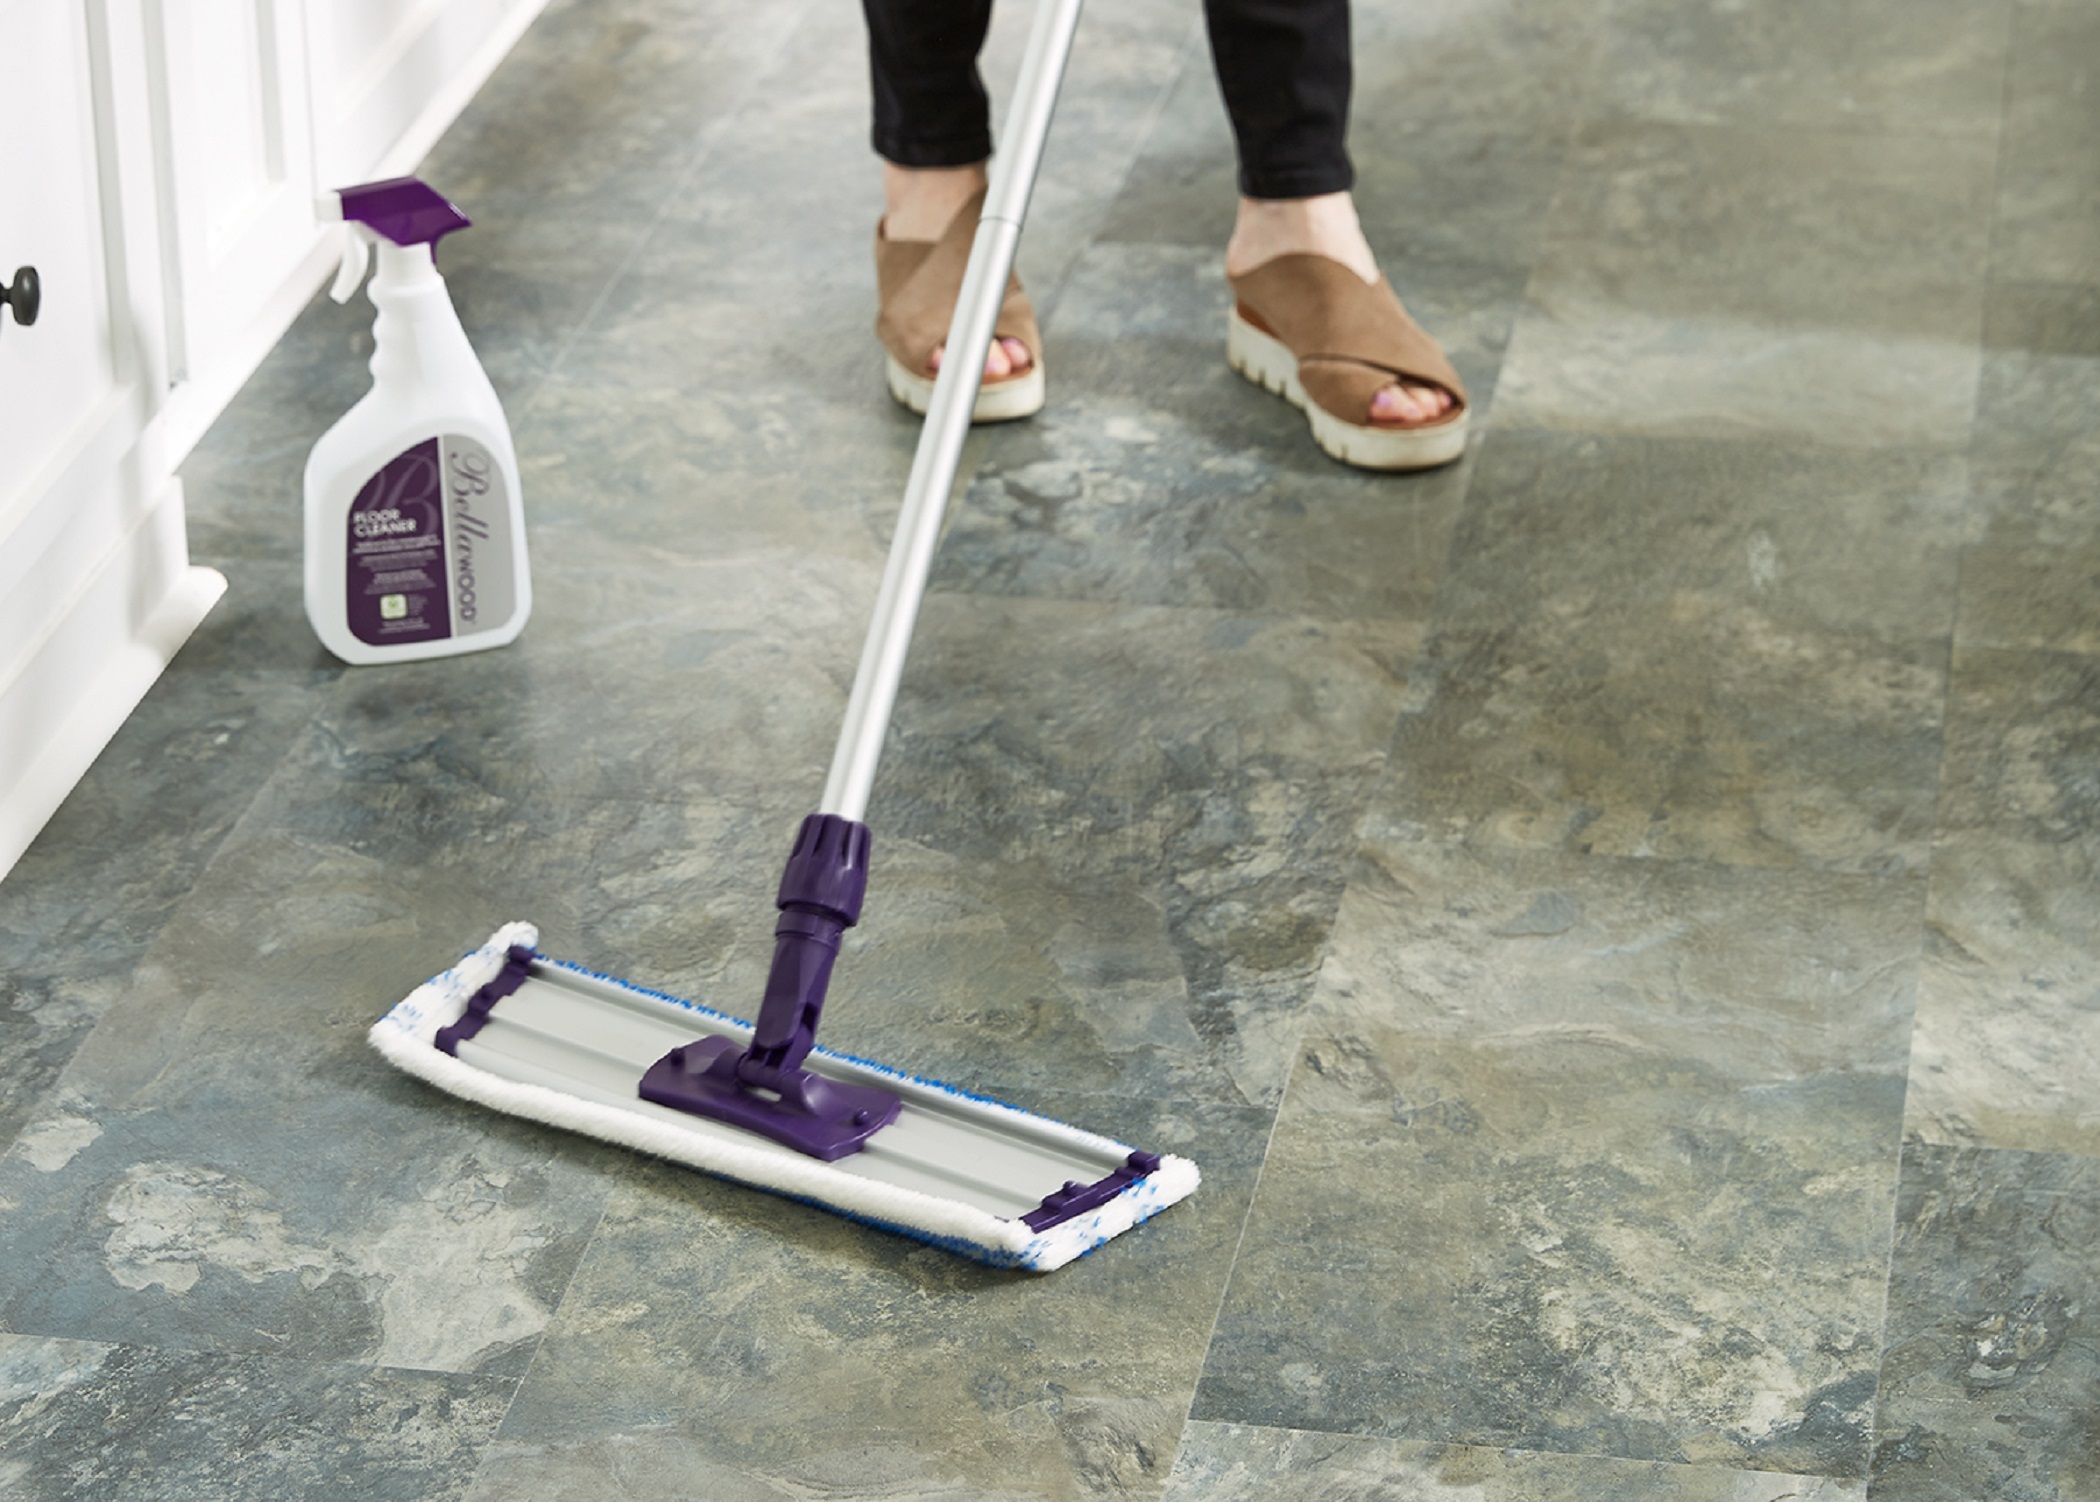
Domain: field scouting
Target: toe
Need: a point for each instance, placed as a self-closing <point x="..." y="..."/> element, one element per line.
<point x="1004" y="357"/>
<point x="1397" y="404"/>
<point x="1405" y="404"/>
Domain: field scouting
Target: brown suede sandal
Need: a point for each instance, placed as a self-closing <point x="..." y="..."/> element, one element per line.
<point x="1312" y="331"/>
<point x="918" y="282"/>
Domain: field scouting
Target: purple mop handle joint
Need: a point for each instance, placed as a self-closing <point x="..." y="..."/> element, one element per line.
<point x="820" y="896"/>
<point x="764" y="1088"/>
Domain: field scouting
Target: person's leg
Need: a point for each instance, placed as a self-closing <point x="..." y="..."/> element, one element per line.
<point x="932" y="124"/>
<point x="1285" y="70"/>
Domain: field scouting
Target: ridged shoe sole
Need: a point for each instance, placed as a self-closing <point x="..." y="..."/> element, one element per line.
<point x="997" y="401"/>
<point x="1268" y="362"/>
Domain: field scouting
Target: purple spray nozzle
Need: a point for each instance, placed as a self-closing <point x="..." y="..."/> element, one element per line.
<point x="406" y="210"/>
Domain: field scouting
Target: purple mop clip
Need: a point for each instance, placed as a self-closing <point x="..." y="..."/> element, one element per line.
<point x="764" y="1088"/>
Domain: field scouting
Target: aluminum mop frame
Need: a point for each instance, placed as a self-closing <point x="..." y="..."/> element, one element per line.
<point x="512" y="1030"/>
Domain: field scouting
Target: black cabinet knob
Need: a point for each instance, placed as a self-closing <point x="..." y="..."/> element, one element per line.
<point x="24" y="295"/>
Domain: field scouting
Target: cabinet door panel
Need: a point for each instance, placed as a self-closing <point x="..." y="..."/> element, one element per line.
<point x="235" y="158"/>
<point x="57" y="378"/>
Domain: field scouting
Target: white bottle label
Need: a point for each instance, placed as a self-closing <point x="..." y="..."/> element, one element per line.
<point x="429" y="552"/>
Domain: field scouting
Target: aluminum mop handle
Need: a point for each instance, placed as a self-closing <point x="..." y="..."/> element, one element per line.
<point x="947" y="425"/>
<point x="764" y="1088"/>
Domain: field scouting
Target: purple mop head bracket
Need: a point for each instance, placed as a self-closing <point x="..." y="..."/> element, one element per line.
<point x="764" y="1088"/>
<point x="517" y="965"/>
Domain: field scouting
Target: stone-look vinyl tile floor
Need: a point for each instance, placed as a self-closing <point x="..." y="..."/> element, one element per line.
<point x="1615" y="919"/>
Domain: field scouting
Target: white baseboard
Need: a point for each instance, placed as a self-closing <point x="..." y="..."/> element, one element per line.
<point x="70" y="697"/>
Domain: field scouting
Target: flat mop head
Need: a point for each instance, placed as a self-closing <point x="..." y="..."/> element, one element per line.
<point x="512" y="1030"/>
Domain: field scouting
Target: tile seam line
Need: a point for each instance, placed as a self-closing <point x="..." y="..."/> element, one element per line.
<point x="1140" y="138"/>
<point x="1523" y="1450"/>
<point x="1986" y="1150"/>
<point x="1210" y="1338"/>
<point x="46" y="1102"/>
<point x="539" y="1345"/>
<point x="1303" y="1025"/>
<point x="703" y="153"/>
<point x="229" y="1353"/>
<point x="1586" y="122"/>
<point x="1895" y="1234"/>
<point x="1745" y="438"/>
<point x="2009" y="33"/>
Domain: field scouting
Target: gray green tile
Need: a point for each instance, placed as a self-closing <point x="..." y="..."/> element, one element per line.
<point x="243" y="482"/>
<point x="1808" y="543"/>
<point x="655" y="676"/>
<point x="1935" y="69"/>
<point x="1528" y="69"/>
<point x="43" y="1019"/>
<point x="118" y="859"/>
<point x="1688" y="650"/>
<point x="2008" y="1030"/>
<point x="608" y="104"/>
<point x="121" y="854"/>
<point x="81" y="1420"/>
<point x="2045" y="229"/>
<point x="721" y="1342"/>
<point x="1982" y="1453"/>
<point x="1570" y="1246"/>
<point x="1990" y="1381"/>
<point x="1183" y="188"/>
<point x="703" y="431"/>
<point x="225" y="1165"/>
<point x="1762" y="978"/>
<point x="1118" y="838"/>
<point x="1243" y="1463"/>
<point x="1723" y="281"/>
<point x="2031" y="575"/>
<point x="1158" y="476"/>
<point x="1558" y="1127"/>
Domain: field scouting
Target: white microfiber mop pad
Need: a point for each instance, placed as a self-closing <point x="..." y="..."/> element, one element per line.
<point x="406" y="1036"/>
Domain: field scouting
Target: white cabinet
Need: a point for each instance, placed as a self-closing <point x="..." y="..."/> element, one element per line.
<point x="96" y="591"/>
<point x="166" y="157"/>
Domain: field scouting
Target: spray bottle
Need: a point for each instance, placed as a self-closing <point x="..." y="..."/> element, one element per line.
<point x="415" y="532"/>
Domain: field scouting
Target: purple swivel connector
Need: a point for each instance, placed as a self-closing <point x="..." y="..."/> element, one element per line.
<point x="764" y="1088"/>
<point x="406" y="210"/>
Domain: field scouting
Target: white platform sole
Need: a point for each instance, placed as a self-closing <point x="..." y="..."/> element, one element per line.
<point x="1269" y="363"/>
<point x="997" y="401"/>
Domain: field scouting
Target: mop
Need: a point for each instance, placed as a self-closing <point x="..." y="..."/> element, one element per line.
<point x="513" y="1030"/>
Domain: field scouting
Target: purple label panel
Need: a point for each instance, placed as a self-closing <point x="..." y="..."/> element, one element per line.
<point x="396" y="553"/>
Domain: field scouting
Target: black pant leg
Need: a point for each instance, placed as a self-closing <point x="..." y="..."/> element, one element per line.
<point x="931" y="109"/>
<point x="1284" y="68"/>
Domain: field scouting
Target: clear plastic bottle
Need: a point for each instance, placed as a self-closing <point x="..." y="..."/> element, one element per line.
<point x="415" y="526"/>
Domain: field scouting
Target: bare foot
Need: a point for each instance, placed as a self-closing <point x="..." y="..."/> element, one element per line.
<point x="1326" y="226"/>
<point x="917" y="204"/>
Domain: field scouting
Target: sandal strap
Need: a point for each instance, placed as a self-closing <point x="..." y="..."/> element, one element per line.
<point x="1321" y="310"/>
<point x="918" y="282"/>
